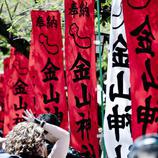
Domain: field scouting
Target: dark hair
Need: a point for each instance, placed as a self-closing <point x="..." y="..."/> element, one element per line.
<point x="49" y="118"/>
<point x="29" y="156"/>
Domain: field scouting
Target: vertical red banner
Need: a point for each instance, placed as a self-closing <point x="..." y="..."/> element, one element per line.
<point x="142" y="39"/>
<point x="1" y="101"/>
<point x="7" y="71"/>
<point x="46" y="65"/>
<point x="17" y="89"/>
<point x="81" y="75"/>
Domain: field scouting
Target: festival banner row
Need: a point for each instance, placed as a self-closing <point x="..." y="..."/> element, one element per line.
<point x="142" y="39"/>
<point x="81" y="75"/>
<point x="38" y="83"/>
<point x="117" y="120"/>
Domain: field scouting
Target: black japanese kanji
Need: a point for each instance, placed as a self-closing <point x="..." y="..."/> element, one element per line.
<point x="85" y="101"/>
<point x="49" y="71"/>
<point x="84" y="125"/>
<point x="80" y="68"/>
<point x="84" y="10"/>
<point x="52" y="97"/>
<point x="40" y="22"/>
<point x="20" y="87"/>
<point x="118" y="151"/>
<point x="148" y="84"/>
<point x="73" y="10"/>
<point x="120" y="58"/>
<point x="51" y="23"/>
<point x="18" y="119"/>
<point x="47" y="109"/>
<point x="117" y="121"/>
<point x="58" y="113"/>
<point x="88" y="153"/>
<point x="146" y="114"/>
<point x="21" y="105"/>
<point x="120" y="88"/>
<point x="144" y="36"/>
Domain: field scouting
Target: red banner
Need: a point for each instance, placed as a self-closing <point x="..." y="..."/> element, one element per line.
<point x="7" y="71"/>
<point x="17" y="89"/>
<point x="46" y="65"/>
<point x="1" y="101"/>
<point x="141" y="28"/>
<point x="81" y="75"/>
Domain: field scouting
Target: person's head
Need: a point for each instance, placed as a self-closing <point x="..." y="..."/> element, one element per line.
<point x="49" y="118"/>
<point x="145" y="147"/>
<point x="26" y="140"/>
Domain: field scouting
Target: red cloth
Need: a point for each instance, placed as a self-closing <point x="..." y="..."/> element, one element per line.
<point x="1" y="101"/>
<point x="141" y="29"/>
<point x="17" y="89"/>
<point x="81" y="75"/>
<point x="46" y="65"/>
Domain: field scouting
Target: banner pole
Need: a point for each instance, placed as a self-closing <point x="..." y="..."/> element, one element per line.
<point x="101" y="76"/>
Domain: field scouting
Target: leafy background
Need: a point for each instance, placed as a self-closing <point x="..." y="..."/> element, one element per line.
<point x="15" y="28"/>
<point x="15" y="24"/>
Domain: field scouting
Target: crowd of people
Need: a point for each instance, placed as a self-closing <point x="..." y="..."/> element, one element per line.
<point x="37" y="138"/>
<point x="42" y="137"/>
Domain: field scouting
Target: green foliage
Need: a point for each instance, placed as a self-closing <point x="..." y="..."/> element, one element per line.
<point x="16" y="14"/>
<point x="105" y="11"/>
<point x="15" y="22"/>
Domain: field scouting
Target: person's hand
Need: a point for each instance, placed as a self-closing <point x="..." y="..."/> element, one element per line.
<point x="29" y="116"/>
